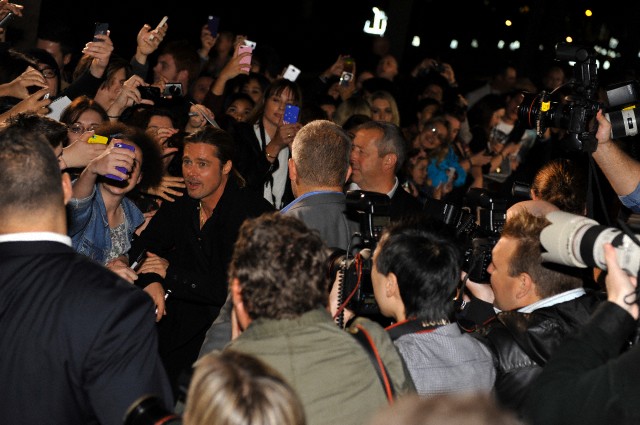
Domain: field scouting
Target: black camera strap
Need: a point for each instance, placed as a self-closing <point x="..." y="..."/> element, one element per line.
<point x="362" y="336"/>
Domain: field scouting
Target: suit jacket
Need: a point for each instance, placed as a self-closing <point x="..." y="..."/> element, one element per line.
<point x="78" y="344"/>
<point x="403" y="204"/>
<point x="325" y="212"/>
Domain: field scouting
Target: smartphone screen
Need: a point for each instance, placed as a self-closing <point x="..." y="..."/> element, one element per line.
<point x="213" y="23"/>
<point x="291" y="113"/>
<point x="101" y="28"/>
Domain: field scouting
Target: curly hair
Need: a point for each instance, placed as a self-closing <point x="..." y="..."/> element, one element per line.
<point x="280" y="265"/>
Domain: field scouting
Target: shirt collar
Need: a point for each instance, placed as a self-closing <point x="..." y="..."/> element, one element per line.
<point x="36" y="236"/>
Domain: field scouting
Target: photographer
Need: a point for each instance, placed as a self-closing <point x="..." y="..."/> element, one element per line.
<point x="539" y="305"/>
<point x="622" y="171"/>
<point x="590" y="381"/>
<point x="415" y="274"/>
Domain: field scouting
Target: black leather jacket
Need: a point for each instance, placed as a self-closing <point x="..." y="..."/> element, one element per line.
<point x="523" y="342"/>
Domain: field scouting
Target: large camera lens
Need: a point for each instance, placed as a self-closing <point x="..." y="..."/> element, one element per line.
<point x="577" y="241"/>
<point x="529" y="110"/>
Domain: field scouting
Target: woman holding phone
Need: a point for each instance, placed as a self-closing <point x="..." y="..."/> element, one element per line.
<point x="263" y="143"/>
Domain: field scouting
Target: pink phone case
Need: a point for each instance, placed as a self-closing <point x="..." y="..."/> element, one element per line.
<point x="246" y="59"/>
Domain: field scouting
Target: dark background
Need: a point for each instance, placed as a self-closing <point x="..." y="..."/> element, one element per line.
<point x="311" y="33"/>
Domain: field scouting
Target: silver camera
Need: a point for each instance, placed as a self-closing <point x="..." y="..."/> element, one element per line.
<point x="578" y="241"/>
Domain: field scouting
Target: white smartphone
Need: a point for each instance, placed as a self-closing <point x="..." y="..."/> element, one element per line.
<point x="291" y="73"/>
<point x="160" y="25"/>
<point x="250" y="43"/>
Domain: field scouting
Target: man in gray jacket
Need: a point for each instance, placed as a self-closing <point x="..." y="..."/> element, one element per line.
<point x="279" y="289"/>
<point x="318" y="169"/>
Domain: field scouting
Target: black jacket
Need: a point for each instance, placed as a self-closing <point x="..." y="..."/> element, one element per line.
<point x="591" y="382"/>
<point x="251" y="161"/>
<point x="523" y="342"/>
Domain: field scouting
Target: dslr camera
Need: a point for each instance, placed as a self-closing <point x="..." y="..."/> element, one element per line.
<point x="578" y="110"/>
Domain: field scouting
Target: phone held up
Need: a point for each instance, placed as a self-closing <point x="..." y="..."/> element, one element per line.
<point x="291" y="113"/>
<point x="347" y="71"/>
<point x="213" y="23"/>
<point x="247" y="59"/>
<point x="101" y="29"/>
<point x="291" y="73"/>
<point x="160" y="25"/>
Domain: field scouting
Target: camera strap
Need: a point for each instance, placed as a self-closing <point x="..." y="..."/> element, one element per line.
<point x="362" y="336"/>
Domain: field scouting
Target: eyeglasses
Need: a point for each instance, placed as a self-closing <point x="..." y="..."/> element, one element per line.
<point x="49" y="72"/>
<point x="79" y="129"/>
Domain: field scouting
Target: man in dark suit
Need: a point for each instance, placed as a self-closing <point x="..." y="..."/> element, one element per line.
<point x="78" y="344"/>
<point x="377" y="155"/>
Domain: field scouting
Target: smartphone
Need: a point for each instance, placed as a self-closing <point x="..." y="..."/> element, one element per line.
<point x="101" y="28"/>
<point x="6" y="19"/>
<point x="250" y="43"/>
<point x="160" y="25"/>
<point x="172" y="89"/>
<point x="291" y="113"/>
<point x="347" y="71"/>
<point x="291" y="73"/>
<point x="98" y="139"/>
<point x="122" y="146"/>
<point x="245" y="49"/>
<point x="213" y="23"/>
<point x="149" y="92"/>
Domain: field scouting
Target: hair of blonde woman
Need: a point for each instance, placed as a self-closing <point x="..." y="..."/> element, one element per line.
<point x="355" y="105"/>
<point x="233" y="388"/>
<point x="383" y="94"/>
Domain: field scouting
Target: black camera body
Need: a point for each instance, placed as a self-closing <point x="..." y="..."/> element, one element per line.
<point x="477" y="225"/>
<point x="580" y="108"/>
<point x="371" y="211"/>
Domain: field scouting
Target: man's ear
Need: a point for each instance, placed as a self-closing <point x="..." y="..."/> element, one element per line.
<point x="67" y="188"/>
<point x="184" y="74"/>
<point x="349" y="171"/>
<point x="293" y="172"/>
<point x="66" y="59"/>
<point x="525" y="287"/>
<point x="238" y="304"/>
<point x="389" y="161"/>
<point x="391" y="286"/>
<point x="226" y="168"/>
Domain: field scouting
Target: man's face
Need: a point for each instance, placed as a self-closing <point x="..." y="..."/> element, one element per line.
<point x="505" y="287"/>
<point x="365" y="159"/>
<point x="165" y="68"/>
<point x="204" y="174"/>
<point x="454" y="127"/>
<point x="54" y="50"/>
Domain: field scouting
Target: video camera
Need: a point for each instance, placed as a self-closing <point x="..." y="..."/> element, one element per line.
<point x="371" y="211"/>
<point x="580" y="108"/>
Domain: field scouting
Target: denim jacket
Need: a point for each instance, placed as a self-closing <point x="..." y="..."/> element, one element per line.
<point x="89" y="227"/>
